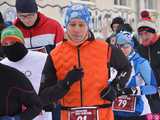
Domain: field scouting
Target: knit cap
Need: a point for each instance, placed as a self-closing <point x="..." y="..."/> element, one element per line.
<point x="146" y="23"/>
<point x="124" y="38"/>
<point x="117" y="20"/>
<point x="77" y="11"/>
<point x="12" y="33"/>
<point x="26" y="6"/>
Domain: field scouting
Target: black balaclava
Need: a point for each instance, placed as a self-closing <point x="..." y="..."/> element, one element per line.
<point x="15" y="52"/>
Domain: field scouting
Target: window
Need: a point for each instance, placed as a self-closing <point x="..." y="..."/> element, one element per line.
<point x="116" y="2"/>
<point x="121" y="2"/>
<point x="150" y="4"/>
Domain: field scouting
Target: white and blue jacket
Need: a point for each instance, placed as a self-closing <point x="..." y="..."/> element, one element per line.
<point x="141" y="77"/>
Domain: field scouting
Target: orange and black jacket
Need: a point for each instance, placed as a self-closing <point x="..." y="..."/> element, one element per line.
<point x="54" y="71"/>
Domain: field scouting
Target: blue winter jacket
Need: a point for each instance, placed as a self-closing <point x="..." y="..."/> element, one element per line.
<point x="143" y="78"/>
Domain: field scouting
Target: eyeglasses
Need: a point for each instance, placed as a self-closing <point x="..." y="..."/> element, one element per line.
<point x="123" y="45"/>
<point x="26" y="15"/>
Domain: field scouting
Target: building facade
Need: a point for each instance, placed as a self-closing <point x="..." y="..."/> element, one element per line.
<point x="102" y="11"/>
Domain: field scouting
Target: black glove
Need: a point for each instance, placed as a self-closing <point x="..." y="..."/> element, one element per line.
<point x="128" y="91"/>
<point x="74" y="75"/>
<point x="109" y="93"/>
<point x="54" y="93"/>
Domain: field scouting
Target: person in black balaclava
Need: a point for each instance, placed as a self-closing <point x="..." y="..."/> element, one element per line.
<point x="18" y="56"/>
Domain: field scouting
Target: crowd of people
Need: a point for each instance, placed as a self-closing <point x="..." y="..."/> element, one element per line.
<point x="81" y="77"/>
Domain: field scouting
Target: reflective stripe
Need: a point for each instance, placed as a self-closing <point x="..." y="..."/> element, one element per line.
<point x="40" y="40"/>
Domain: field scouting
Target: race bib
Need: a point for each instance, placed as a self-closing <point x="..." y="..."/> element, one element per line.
<point x="125" y="103"/>
<point x="83" y="113"/>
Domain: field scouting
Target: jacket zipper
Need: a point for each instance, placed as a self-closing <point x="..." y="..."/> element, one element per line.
<point x="81" y="83"/>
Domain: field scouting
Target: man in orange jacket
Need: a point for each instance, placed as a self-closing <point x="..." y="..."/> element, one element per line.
<point x="76" y="73"/>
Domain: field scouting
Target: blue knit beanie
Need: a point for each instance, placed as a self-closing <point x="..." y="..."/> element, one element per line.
<point x="77" y="11"/>
<point x="124" y="38"/>
<point x="26" y="6"/>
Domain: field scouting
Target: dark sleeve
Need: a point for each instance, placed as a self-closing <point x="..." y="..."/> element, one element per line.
<point x="120" y="62"/>
<point x="49" y="77"/>
<point x="51" y="89"/>
<point x="28" y="98"/>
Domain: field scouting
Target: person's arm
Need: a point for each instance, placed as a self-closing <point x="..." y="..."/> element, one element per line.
<point x="27" y="97"/>
<point x="18" y="92"/>
<point x="123" y="67"/>
<point x="51" y="89"/>
<point x="120" y="62"/>
<point x="149" y="78"/>
<point x="32" y="102"/>
<point x="49" y="77"/>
